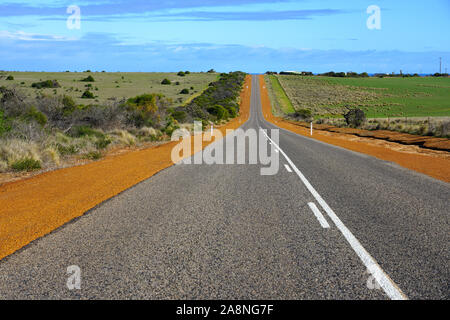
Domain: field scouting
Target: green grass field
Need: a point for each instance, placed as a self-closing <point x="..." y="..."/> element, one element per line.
<point x="378" y="97"/>
<point x="283" y="101"/>
<point x="112" y="85"/>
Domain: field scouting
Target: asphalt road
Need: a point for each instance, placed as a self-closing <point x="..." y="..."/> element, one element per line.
<point x="228" y="232"/>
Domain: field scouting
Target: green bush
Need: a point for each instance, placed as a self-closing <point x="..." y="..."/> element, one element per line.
<point x="10" y="78"/>
<point x="187" y="72"/>
<point x="232" y="111"/>
<point x="179" y="115"/>
<point x="87" y="95"/>
<point x="5" y="125"/>
<point x="69" y="104"/>
<point x="26" y="164"/>
<point x="88" y="79"/>
<point x="355" y="117"/>
<point x="219" y="111"/>
<point x="93" y="155"/>
<point x="102" y="143"/>
<point x="146" y="109"/>
<point x="166" y="81"/>
<point x="181" y="74"/>
<point x="184" y="91"/>
<point x="66" y="150"/>
<point x="304" y="114"/>
<point x="83" y="131"/>
<point x="46" y="84"/>
<point x="36" y="115"/>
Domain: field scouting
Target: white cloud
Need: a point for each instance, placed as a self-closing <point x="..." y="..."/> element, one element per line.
<point x="24" y="36"/>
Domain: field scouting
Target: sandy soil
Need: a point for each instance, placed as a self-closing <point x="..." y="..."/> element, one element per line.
<point x="430" y="162"/>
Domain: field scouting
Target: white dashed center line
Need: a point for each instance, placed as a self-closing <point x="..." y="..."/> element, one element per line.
<point x="389" y="287"/>
<point x="323" y="222"/>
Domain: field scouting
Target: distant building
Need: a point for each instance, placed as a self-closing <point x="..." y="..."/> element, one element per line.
<point x="298" y="73"/>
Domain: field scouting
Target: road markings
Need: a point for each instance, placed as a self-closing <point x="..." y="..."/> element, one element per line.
<point x="288" y="168"/>
<point x="323" y="222"/>
<point x="389" y="287"/>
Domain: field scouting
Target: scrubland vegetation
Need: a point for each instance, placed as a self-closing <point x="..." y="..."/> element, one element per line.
<point x="42" y="130"/>
<point x="406" y="103"/>
<point x="107" y="86"/>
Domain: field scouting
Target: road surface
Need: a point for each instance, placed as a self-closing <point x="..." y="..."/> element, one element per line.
<point x="311" y="231"/>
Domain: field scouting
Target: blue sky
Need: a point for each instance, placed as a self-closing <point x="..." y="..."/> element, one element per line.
<point x="249" y="35"/>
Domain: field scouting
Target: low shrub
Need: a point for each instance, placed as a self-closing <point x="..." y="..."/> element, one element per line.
<point x="69" y="104"/>
<point x="14" y="150"/>
<point x="219" y="111"/>
<point x="166" y="82"/>
<point x="102" y="143"/>
<point x="355" y="117"/>
<point x="82" y="131"/>
<point x="26" y="164"/>
<point x="232" y="111"/>
<point x="93" y="155"/>
<point x="66" y="150"/>
<point x="179" y="115"/>
<point x="181" y="74"/>
<point x="87" y="95"/>
<point x="51" y="154"/>
<point x="5" y="124"/>
<point x="303" y="114"/>
<point x="10" y="78"/>
<point x="148" y="132"/>
<point x="88" y="79"/>
<point x="46" y="84"/>
<point x="36" y="115"/>
<point x="184" y="91"/>
<point x="124" y="137"/>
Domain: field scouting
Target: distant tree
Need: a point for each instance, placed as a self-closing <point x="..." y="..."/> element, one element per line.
<point x="181" y="74"/>
<point x="184" y="91"/>
<point x="212" y="71"/>
<point x="88" y="79"/>
<point x="355" y="117"/>
<point x="10" y="78"/>
<point x="166" y="82"/>
<point x="187" y="72"/>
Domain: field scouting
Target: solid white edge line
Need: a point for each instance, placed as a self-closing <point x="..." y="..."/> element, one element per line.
<point x="389" y="287"/>
<point x="288" y="168"/>
<point x="323" y="222"/>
